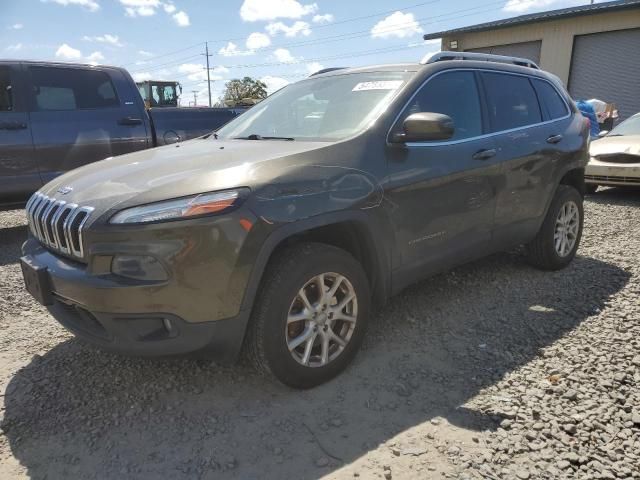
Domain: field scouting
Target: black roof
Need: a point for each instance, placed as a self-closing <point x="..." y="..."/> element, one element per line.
<point x="541" y="17"/>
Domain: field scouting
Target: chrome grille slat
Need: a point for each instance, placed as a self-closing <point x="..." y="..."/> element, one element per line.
<point x="57" y="224"/>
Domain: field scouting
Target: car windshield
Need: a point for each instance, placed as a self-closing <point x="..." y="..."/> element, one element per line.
<point x="319" y="108"/>
<point x="631" y="126"/>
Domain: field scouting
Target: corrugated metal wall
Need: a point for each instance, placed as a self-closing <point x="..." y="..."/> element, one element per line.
<point x="529" y="50"/>
<point x="607" y="66"/>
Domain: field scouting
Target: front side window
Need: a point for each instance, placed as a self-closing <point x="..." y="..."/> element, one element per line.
<point x="319" y="108"/>
<point x="71" y="89"/>
<point x="511" y="101"/>
<point x="454" y="94"/>
<point x="6" y="94"/>
<point x="550" y="100"/>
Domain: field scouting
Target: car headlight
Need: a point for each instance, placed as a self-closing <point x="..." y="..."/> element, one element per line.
<point x="182" y="208"/>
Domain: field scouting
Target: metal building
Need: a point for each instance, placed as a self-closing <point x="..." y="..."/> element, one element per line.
<point x="594" y="49"/>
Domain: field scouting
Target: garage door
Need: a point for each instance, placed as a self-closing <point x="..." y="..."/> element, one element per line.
<point x="607" y="66"/>
<point x="529" y="50"/>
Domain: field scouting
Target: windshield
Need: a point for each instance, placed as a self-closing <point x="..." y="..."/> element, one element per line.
<point x="319" y="109"/>
<point x="631" y="126"/>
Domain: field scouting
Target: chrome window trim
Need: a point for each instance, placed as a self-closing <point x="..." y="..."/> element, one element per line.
<point x="486" y="135"/>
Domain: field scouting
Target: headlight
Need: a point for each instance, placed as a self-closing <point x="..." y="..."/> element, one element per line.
<point x="187" y="207"/>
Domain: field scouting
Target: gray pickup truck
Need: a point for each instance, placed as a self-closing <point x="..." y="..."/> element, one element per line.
<point x="56" y="117"/>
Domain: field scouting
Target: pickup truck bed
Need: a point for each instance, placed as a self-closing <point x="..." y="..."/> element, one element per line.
<point x="56" y="117"/>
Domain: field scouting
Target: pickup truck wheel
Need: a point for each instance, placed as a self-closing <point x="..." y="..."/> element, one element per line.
<point x="310" y="315"/>
<point x="556" y="243"/>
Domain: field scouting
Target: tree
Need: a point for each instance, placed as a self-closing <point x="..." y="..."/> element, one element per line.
<point x="247" y="90"/>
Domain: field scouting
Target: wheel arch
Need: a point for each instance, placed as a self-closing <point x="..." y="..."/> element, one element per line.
<point x="352" y="231"/>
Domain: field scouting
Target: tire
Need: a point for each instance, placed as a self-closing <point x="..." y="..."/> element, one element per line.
<point x="590" y="188"/>
<point x="543" y="251"/>
<point x="270" y="335"/>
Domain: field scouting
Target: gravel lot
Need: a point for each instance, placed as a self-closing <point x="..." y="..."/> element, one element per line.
<point x="494" y="370"/>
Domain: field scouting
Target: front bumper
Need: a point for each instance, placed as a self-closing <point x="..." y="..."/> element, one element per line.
<point x="605" y="173"/>
<point x="180" y="315"/>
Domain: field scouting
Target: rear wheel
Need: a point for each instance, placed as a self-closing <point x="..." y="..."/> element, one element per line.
<point x="310" y="316"/>
<point x="557" y="242"/>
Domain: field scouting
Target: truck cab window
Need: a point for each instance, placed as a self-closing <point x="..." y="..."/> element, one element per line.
<point x="6" y="95"/>
<point x="71" y="89"/>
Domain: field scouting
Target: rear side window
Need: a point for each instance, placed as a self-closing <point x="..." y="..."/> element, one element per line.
<point x="511" y="101"/>
<point x="454" y="94"/>
<point x="550" y="100"/>
<point x="71" y="89"/>
<point x="6" y="94"/>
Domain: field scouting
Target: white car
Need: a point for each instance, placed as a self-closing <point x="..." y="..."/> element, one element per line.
<point x="615" y="157"/>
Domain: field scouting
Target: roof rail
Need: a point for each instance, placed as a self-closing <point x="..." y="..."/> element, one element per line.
<point x="326" y="70"/>
<point x="480" y="57"/>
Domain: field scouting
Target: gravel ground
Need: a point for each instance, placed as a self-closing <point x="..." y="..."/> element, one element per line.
<point x="494" y="370"/>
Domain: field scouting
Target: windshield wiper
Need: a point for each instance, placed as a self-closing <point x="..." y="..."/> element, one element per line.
<point x="255" y="136"/>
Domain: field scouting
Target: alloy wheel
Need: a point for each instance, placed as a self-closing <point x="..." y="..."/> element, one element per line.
<point x="566" y="229"/>
<point x="321" y="319"/>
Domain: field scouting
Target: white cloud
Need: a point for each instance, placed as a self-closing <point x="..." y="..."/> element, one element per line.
<point x="14" y="48"/>
<point x="258" y="40"/>
<point x="141" y="76"/>
<point x="106" y="38"/>
<point x="169" y="7"/>
<point x="326" y="18"/>
<point x="90" y="5"/>
<point x="16" y="26"/>
<point x="144" y="53"/>
<point x="283" y="55"/>
<point x="274" y="83"/>
<point x="95" y="58"/>
<point x="313" y="67"/>
<point x="256" y="10"/>
<point x="519" y="6"/>
<point x="181" y="18"/>
<point x="398" y="24"/>
<point x="143" y="8"/>
<point x="231" y="50"/>
<point x="296" y="28"/>
<point x="68" y="53"/>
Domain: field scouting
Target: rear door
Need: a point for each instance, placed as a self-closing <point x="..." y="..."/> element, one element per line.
<point x="19" y="175"/>
<point x="441" y="194"/>
<point x="81" y="115"/>
<point x="526" y="152"/>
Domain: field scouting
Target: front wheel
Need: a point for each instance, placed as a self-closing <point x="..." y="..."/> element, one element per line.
<point x="310" y="315"/>
<point x="557" y="242"/>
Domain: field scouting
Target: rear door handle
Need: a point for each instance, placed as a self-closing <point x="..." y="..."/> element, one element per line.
<point x="484" y="154"/>
<point x="554" y="139"/>
<point x="12" y="126"/>
<point x="130" y="121"/>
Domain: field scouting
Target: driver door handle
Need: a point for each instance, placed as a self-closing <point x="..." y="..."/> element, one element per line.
<point x="12" y="126"/>
<point x="130" y="121"/>
<point x="485" y="154"/>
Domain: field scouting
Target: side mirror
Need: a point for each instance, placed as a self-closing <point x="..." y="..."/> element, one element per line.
<point x="603" y="133"/>
<point x="425" y="126"/>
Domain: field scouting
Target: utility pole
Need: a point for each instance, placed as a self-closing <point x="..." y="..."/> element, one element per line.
<point x="195" y="98"/>
<point x="206" y="54"/>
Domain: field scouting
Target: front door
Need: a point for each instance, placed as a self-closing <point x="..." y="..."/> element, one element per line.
<point x="19" y="175"/>
<point x="79" y="116"/>
<point x="441" y="195"/>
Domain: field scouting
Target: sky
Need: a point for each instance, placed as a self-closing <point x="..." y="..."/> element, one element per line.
<point x="276" y="41"/>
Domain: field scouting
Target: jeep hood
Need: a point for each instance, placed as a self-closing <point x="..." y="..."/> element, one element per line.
<point x="188" y="168"/>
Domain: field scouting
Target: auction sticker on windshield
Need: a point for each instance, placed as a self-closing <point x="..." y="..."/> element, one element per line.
<point x="379" y="85"/>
